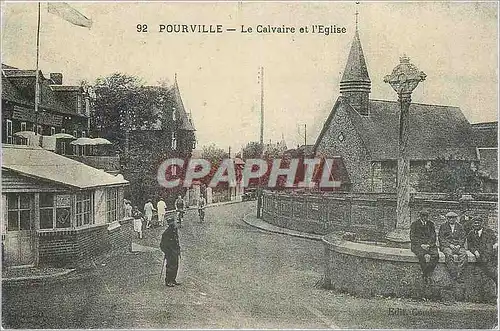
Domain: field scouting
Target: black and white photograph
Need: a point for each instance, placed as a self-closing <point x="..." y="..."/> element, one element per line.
<point x="249" y="165"/>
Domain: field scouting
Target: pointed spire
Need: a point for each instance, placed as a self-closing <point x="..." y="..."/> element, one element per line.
<point x="355" y="84"/>
<point x="355" y="69"/>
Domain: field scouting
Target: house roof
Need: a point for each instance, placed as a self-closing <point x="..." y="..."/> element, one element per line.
<point x="11" y="93"/>
<point x="44" y="165"/>
<point x="186" y="121"/>
<point x="486" y="134"/>
<point x="5" y="66"/>
<point x="15" y="81"/>
<point x="435" y="131"/>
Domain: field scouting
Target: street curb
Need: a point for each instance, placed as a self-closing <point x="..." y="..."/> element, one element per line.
<point x="208" y="206"/>
<point x="257" y="223"/>
<point x="39" y="277"/>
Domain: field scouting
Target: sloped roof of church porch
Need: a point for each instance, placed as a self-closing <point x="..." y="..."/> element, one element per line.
<point x="436" y="132"/>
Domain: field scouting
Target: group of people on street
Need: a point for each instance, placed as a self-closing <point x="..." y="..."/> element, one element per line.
<point x="453" y="239"/>
<point x="169" y="243"/>
<point x="144" y="220"/>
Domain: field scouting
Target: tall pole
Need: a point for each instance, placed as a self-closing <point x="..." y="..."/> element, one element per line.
<point x="37" y="75"/>
<point x="305" y="135"/>
<point x="261" y="106"/>
<point x="261" y="140"/>
<point x="404" y="79"/>
<point x="403" y="182"/>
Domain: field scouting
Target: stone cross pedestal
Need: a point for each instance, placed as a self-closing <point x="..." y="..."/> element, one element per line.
<point x="404" y="79"/>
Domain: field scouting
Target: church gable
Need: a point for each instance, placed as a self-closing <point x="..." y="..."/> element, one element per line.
<point x="339" y="137"/>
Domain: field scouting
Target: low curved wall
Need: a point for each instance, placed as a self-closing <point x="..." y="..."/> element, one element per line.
<point x="367" y="270"/>
<point x="371" y="213"/>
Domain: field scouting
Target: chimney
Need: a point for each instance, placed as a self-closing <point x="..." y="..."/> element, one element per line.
<point x="56" y="78"/>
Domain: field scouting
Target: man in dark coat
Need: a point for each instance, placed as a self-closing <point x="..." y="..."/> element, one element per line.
<point x="483" y="244"/>
<point x="452" y="243"/>
<point x="423" y="244"/>
<point x="170" y="247"/>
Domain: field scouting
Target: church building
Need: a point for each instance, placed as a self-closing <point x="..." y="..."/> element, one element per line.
<point x="364" y="133"/>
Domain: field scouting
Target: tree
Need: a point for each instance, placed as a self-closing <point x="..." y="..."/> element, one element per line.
<point x="451" y="176"/>
<point x="213" y="154"/>
<point x="123" y="103"/>
<point x="253" y="150"/>
<point x="274" y="151"/>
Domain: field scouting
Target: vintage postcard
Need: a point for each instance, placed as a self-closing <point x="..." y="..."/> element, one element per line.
<point x="249" y="165"/>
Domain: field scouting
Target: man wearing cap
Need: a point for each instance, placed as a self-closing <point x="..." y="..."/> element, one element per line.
<point x="482" y="242"/>
<point x="170" y="247"/>
<point x="452" y="243"/>
<point x="423" y="244"/>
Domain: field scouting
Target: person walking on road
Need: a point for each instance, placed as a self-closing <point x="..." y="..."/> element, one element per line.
<point x="128" y="208"/>
<point x="148" y="213"/>
<point x="202" y="203"/>
<point x="180" y="207"/>
<point x="169" y="245"/>
<point x="137" y="215"/>
<point x="161" y="206"/>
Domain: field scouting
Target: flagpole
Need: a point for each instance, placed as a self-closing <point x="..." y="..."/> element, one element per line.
<point x="37" y="75"/>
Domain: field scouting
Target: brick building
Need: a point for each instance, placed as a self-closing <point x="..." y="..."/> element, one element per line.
<point x="57" y="211"/>
<point x="62" y="108"/>
<point x="364" y="133"/>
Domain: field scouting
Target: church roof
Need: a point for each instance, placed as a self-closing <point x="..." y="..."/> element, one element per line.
<point x="355" y="69"/>
<point x="435" y="131"/>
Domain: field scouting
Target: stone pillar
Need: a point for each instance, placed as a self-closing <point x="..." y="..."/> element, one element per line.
<point x="404" y="79"/>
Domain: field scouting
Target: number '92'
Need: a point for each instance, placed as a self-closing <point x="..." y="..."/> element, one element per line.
<point x="142" y="28"/>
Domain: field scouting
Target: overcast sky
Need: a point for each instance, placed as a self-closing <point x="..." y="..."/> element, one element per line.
<point x="455" y="44"/>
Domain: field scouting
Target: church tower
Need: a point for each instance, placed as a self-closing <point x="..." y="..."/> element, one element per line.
<point x="355" y="85"/>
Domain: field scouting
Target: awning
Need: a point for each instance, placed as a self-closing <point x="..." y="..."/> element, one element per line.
<point x="102" y="141"/>
<point x="63" y="136"/>
<point x="39" y="163"/>
<point x="25" y="134"/>
<point x="84" y="142"/>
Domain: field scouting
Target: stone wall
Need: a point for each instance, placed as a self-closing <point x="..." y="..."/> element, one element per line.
<point x="70" y="248"/>
<point x="368" y="270"/>
<point x="373" y="214"/>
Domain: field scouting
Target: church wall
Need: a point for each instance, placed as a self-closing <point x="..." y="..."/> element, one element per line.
<point x="351" y="149"/>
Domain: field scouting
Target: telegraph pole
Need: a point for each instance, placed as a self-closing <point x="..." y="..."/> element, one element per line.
<point x="305" y="135"/>
<point x="261" y="140"/>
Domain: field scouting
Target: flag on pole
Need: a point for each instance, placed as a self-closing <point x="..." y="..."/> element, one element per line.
<point x="68" y="13"/>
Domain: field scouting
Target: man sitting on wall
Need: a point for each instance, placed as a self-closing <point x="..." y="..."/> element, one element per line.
<point x="452" y="244"/>
<point x="483" y="244"/>
<point x="423" y="244"/>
